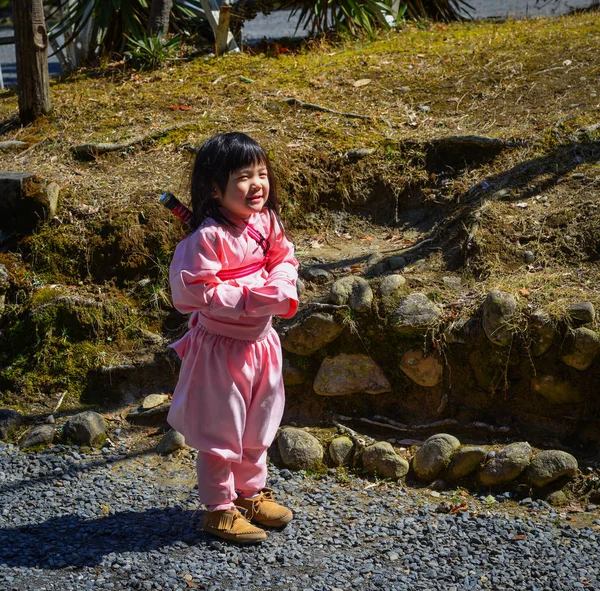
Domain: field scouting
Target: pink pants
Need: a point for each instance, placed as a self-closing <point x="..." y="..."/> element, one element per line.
<point x="228" y="404"/>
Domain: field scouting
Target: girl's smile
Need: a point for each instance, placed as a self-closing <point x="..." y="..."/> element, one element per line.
<point x="247" y="190"/>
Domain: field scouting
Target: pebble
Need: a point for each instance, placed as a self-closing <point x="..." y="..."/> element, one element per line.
<point x="121" y="527"/>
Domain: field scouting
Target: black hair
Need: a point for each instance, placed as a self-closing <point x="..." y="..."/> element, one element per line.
<point x="216" y="159"/>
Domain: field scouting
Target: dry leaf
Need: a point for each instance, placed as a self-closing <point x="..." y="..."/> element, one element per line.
<point x="361" y="82"/>
<point x="316" y="244"/>
<point x="524" y="292"/>
<point x="458" y="508"/>
<point x="180" y="108"/>
<point x="518" y="537"/>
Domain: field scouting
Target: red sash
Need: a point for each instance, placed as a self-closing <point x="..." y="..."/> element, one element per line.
<point x="226" y="274"/>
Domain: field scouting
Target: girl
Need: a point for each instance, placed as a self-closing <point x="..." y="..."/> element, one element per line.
<point x="233" y="273"/>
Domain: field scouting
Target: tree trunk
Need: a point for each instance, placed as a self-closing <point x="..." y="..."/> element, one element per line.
<point x="160" y="13"/>
<point x="31" y="41"/>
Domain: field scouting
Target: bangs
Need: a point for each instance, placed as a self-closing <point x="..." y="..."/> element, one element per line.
<point x="242" y="154"/>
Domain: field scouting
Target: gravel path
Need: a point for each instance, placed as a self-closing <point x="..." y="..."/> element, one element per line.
<point x="120" y="519"/>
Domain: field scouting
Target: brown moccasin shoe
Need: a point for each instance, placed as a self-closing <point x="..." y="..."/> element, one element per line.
<point x="264" y="510"/>
<point x="232" y="526"/>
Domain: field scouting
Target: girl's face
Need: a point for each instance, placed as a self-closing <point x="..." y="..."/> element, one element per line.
<point x="246" y="192"/>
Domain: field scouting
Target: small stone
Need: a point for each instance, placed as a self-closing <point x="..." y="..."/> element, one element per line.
<point x="507" y="464"/>
<point x="9" y="421"/>
<point x="154" y="400"/>
<point x="299" y="450"/>
<point x="499" y="309"/>
<point x="392" y="285"/>
<point x="316" y="275"/>
<point x="39" y="435"/>
<point x="437" y="485"/>
<point x="340" y="451"/>
<point x="395" y="263"/>
<point x="353" y="291"/>
<point x="424" y="370"/>
<point x="349" y="374"/>
<point x="557" y="498"/>
<point x="171" y="441"/>
<point x="292" y="374"/>
<point x="434" y="455"/>
<point x="311" y="334"/>
<point x="542" y="332"/>
<point x="415" y="314"/>
<point x="85" y="428"/>
<point x="581" y="347"/>
<point x="465" y="461"/>
<point x="555" y="390"/>
<point x="581" y="313"/>
<point x="550" y="465"/>
<point x="529" y="257"/>
<point x="382" y="459"/>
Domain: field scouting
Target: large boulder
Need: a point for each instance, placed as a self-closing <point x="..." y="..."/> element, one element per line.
<point x="353" y="291"/>
<point x="340" y="450"/>
<point x="550" y="465"/>
<point x="425" y="370"/>
<point x="382" y="460"/>
<point x="299" y="450"/>
<point x="556" y="390"/>
<point x="311" y="334"/>
<point x="499" y="310"/>
<point x="350" y="374"/>
<point x="85" y="428"/>
<point x="415" y="314"/>
<point x="434" y="455"/>
<point x="581" y="347"/>
<point x="506" y="465"/>
<point x="465" y="461"/>
<point x="10" y="420"/>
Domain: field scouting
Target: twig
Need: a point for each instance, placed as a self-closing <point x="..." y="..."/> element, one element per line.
<point x="32" y="147"/>
<point x="313" y="107"/>
<point x="357" y="439"/>
<point x="60" y="401"/>
<point x="13" y="144"/>
<point x="323" y="306"/>
<point x="443" y="423"/>
<point x="91" y="150"/>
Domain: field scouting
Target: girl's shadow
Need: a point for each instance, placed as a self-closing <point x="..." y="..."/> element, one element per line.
<point x="76" y="541"/>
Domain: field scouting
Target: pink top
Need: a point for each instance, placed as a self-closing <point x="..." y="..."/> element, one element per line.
<point x="242" y="307"/>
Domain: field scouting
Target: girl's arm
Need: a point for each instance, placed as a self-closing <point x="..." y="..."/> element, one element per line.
<point x="196" y="287"/>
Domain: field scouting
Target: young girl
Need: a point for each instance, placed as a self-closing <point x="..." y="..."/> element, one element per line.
<point x="233" y="273"/>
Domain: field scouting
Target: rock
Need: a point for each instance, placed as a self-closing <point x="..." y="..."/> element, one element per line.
<point x="39" y="435"/>
<point x="452" y="282"/>
<point x="391" y="286"/>
<point x="353" y="291"/>
<point x="581" y="347"/>
<point x="349" y="374"/>
<point x="9" y="421"/>
<point x="395" y="263"/>
<point x="292" y="374"/>
<point x="382" y="460"/>
<point x="557" y="498"/>
<point x="374" y="260"/>
<point x="299" y="450"/>
<point x="581" y="313"/>
<point x="555" y="390"/>
<point x="150" y="337"/>
<point x="311" y="334"/>
<point x="499" y="310"/>
<point x="507" y="465"/>
<point x="465" y="461"/>
<point x="340" y="451"/>
<point x="316" y="275"/>
<point x="171" y="441"/>
<point x="415" y="314"/>
<point x="25" y="200"/>
<point x="359" y="153"/>
<point x="85" y="428"/>
<point x="550" y="465"/>
<point x="529" y="257"/>
<point x="154" y="400"/>
<point x="542" y="332"/>
<point x="434" y="455"/>
<point x="300" y="287"/>
<point x="4" y="285"/>
<point x="463" y="330"/>
<point x="423" y="370"/>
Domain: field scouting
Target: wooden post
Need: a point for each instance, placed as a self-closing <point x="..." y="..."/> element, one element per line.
<point x="212" y="11"/>
<point x="221" y="37"/>
<point x="31" y="42"/>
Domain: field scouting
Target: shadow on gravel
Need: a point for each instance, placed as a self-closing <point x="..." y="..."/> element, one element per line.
<point x="72" y="541"/>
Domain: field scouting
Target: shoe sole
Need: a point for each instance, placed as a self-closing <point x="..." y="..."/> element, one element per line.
<point x="235" y="539"/>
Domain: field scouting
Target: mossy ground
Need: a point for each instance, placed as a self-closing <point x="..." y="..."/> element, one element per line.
<point x="531" y="83"/>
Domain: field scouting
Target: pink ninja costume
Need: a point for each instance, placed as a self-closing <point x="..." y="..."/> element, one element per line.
<point x="229" y="398"/>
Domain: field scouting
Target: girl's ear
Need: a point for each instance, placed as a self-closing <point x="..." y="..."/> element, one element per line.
<point x="216" y="192"/>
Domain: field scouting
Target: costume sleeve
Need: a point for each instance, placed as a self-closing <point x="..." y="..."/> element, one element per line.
<point x="196" y="287"/>
<point x="283" y="267"/>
